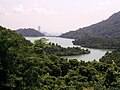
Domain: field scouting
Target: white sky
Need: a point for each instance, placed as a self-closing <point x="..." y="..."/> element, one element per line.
<point x="55" y="16"/>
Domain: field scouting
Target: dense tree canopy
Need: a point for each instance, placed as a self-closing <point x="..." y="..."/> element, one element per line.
<point x="27" y="66"/>
<point x="113" y="57"/>
<point x="56" y="49"/>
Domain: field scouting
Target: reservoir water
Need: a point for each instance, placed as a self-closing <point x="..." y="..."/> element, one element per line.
<point x="95" y="54"/>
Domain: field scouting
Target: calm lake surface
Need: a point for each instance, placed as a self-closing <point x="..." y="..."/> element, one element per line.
<point x="95" y="54"/>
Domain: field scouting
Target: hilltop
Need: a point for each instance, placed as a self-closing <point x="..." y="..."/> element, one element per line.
<point x="30" y="32"/>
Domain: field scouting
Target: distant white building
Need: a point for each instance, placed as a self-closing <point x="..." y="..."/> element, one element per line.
<point x="39" y="28"/>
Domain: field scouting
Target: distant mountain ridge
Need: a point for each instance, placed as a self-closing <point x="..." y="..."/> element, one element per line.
<point x="104" y="31"/>
<point x="109" y="28"/>
<point x="29" y="32"/>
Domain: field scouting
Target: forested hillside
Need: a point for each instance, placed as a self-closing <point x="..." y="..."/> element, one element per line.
<point x="103" y="33"/>
<point x="27" y="66"/>
<point x="30" y="32"/>
<point x="113" y="57"/>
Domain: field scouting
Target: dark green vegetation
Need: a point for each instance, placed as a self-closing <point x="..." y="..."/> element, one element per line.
<point x="30" y="32"/>
<point x="105" y="34"/>
<point x="27" y="66"/>
<point x="113" y="57"/>
<point x="56" y="49"/>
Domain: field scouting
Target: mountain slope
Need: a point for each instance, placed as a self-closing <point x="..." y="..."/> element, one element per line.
<point x="29" y="32"/>
<point x="107" y="29"/>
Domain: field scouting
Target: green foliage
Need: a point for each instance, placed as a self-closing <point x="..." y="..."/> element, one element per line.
<point x="51" y="48"/>
<point x="111" y="58"/>
<point x="27" y="66"/>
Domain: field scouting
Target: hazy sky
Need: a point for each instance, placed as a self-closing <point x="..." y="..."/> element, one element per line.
<point x="55" y="16"/>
